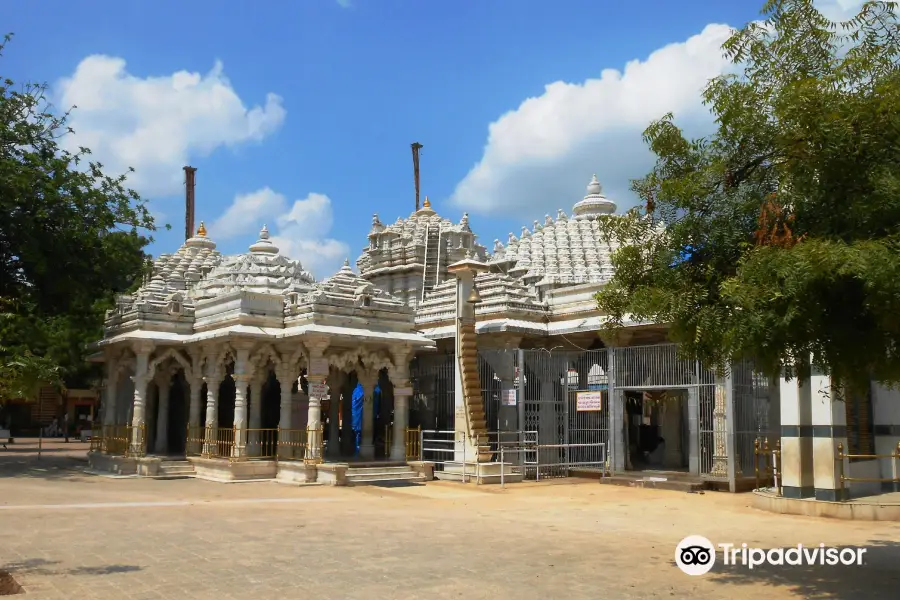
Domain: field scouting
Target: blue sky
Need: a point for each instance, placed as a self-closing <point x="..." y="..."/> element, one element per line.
<point x="318" y="102"/>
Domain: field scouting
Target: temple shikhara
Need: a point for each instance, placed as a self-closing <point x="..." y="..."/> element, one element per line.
<point x="439" y="357"/>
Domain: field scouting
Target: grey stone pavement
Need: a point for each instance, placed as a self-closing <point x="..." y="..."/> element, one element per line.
<point x="65" y="534"/>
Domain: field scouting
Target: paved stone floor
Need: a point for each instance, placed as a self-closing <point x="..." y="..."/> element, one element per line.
<point x="64" y="534"/>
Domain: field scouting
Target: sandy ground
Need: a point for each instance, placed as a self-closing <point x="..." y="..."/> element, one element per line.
<point x="66" y="534"/>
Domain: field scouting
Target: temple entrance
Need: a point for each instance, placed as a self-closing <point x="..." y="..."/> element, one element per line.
<point x="657" y="430"/>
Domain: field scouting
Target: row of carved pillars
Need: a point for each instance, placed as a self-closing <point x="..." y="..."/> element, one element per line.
<point x="248" y="413"/>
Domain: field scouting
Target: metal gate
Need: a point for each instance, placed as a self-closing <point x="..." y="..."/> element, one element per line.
<point x="433" y="382"/>
<point x="549" y="384"/>
<point x="569" y="432"/>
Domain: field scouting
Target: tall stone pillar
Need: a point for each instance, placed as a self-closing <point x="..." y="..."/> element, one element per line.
<point x="254" y="438"/>
<point x="465" y="448"/>
<point x="213" y="380"/>
<point x="402" y="394"/>
<point x="367" y="445"/>
<point x="334" y="431"/>
<point x="109" y="405"/>
<point x="828" y="414"/>
<point x="241" y="378"/>
<point x="318" y="372"/>
<point x="195" y="386"/>
<point x="796" y="438"/>
<point x="164" y="383"/>
<point x="196" y="405"/>
<point x="141" y="379"/>
<point x="285" y="384"/>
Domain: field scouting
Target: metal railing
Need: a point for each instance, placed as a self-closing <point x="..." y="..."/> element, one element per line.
<point x="440" y="448"/>
<point x="770" y="459"/>
<point x="119" y="440"/>
<point x="412" y="443"/>
<point x="895" y="468"/>
<point x="255" y="444"/>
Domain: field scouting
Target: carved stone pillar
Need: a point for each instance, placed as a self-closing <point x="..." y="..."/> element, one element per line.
<point x="402" y="393"/>
<point x="256" y="388"/>
<point x="317" y="374"/>
<point x="141" y="378"/>
<point x="367" y="445"/>
<point x="164" y="383"/>
<point x="241" y="378"/>
<point x="109" y="405"/>
<point x="285" y="376"/>
<point x="335" y="380"/>
<point x="213" y="379"/>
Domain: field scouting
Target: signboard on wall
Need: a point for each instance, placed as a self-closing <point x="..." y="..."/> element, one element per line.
<point x="508" y="398"/>
<point x="318" y="390"/>
<point x="589" y="401"/>
<point x="318" y="367"/>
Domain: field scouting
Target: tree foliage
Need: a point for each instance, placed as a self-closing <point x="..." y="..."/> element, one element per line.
<point x="781" y="236"/>
<point x="70" y="236"/>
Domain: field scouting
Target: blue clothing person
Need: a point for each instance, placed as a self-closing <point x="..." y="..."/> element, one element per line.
<point x="356" y="408"/>
<point x="356" y="414"/>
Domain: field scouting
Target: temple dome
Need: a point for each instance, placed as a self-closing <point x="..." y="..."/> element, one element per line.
<point x="403" y="242"/>
<point x="594" y="203"/>
<point x="182" y="269"/>
<point x="261" y="270"/>
<point x="562" y="250"/>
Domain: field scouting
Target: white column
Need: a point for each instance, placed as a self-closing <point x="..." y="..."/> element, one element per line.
<point x="241" y="379"/>
<point x="256" y="387"/>
<point x="196" y="406"/>
<point x="162" y="415"/>
<point x="286" y="383"/>
<point x="797" y="477"/>
<point x="141" y="379"/>
<point x="367" y="444"/>
<point x="318" y="372"/>
<point x="828" y="411"/>
<point x="334" y="430"/>
<point x="402" y="393"/>
<point x="109" y="407"/>
<point x="213" y="379"/>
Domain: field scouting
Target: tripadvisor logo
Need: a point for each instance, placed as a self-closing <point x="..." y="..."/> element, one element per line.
<point x="696" y="555"/>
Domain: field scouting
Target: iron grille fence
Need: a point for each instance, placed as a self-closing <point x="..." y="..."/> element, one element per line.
<point x="567" y="397"/>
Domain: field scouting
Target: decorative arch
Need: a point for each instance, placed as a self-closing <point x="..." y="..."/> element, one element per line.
<point x="376" y="360"/>
<point x="347" y="360"/>
<point x="173" y="354"/>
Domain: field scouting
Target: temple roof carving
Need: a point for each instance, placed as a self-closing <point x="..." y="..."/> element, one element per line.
<point x="561" y="250"/>
<point x="403" y="242"/>
<point x="262" y="269"/>
<point x="346" y="288"/>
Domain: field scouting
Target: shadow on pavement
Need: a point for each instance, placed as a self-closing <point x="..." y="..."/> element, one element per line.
<point x="39" y="566"/>
<point x="49" y="466"/>
<point x="877" y="577"/>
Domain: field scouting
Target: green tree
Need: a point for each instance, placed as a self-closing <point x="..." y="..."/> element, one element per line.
<point x="70" y="237"/>
<point x="778" y="237"/>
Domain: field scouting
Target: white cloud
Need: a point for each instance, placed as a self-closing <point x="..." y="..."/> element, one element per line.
<point x="156" y="124"/>
<point x="540" y="156"/>
<point x="344" y="3"/>
<point x="299" y="229"/>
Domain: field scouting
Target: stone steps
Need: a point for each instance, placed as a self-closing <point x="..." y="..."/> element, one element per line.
<point x="377" y="469"/>
<point x="379" y="475"/>
<point x="175" y="469"/>
<point x="675" y="483"/>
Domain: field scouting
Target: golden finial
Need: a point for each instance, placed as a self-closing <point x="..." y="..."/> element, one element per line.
<point x="201" y="231"/>
<point x="427" y="203"/>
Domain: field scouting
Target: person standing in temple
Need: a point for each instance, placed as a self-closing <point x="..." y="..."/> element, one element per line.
<point x="66" y="426"/>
